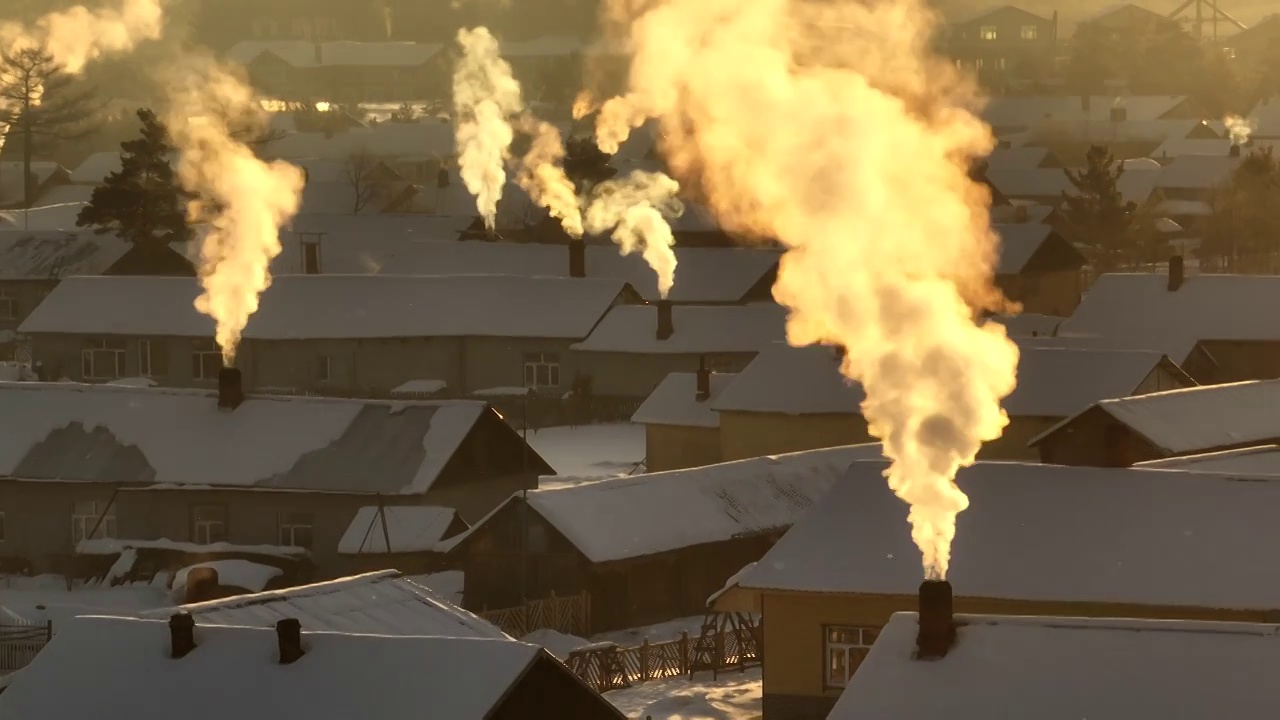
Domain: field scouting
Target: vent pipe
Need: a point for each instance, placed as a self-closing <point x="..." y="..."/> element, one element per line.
<point x="704" y="380"/>
<point x="182" y="634"/>
<point x="1234" y="151"/>
<point x="577" y="259"/>
<point x="289" y="635"/>
<point x="937" y="631"/>
<point x="666" y="326"/>
<point x="1177" y="273"/>
<point x="230" y="388"/>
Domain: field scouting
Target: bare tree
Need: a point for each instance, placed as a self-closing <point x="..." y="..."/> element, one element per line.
<point x="361" y="173"/>
<point x="42" y="105"/>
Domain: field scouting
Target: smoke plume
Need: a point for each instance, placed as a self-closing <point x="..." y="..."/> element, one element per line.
<point x="485" y="98"/>
<point x="244" y="199"/>
<point x="829" y="126"/>
<point x="78" y="35"/>
<point x="636" y="207"/>
<point x="1238" y="129"/>
<point x="542" y="175"/>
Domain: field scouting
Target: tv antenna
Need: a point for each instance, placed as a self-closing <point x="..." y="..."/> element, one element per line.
<point x="1205" y="12"/>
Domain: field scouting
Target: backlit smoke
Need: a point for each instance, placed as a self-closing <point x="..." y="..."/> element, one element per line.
<point x="636" y="207"/>
<point x="828" y="125"/>
<point x="245" y="200"/>
<point x="1238" y="129"/>
<point x="542" y="175"/>
<point x="486" y="97"/>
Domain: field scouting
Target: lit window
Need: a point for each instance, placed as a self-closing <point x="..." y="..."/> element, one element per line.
<point x="208" y="524"/>
<point x="1029" y="32"/>
<point x="88" y="515"/>
<point x="988" y="32"/>
<point x="1000" y="63"/>
<point x="295" y="529"/>
<point x="845" y="649"/>
<point x="978" y="63"/>
<point x="103" y="359"/>
<point x="541" y="370"/>
<point x="206" y="360"/>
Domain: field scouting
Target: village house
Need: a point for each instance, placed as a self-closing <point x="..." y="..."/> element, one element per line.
<point x="348" y="335"/>
<point x="1035" y="540"/>
<point x="44" y="176"/>
<point x="681" y="430"/>
<point x="791" y="399"/>
<point x="1003" y="42"/>
<point x="998" y="667"/>
<point x="1255" y="46"/>
<point x="1177" y="312"/>
<point x="1039" y="269"/>
<point x="81" y="462"/>
<point x="1126" y="21"/>
<point x="1191" y="421"/>
<point x="644" y="549"/>
<point x="403" y="537"/>
<point x="634" y="348"/>
<point x="344" y="71"/>
<point x="147" y="668"/>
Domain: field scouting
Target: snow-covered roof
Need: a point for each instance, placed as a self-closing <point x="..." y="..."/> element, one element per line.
<point x="1028" y="111"/>
<point x="1180" y="208"/>
<point x="148" y="436"/>
<point x="1029" y="324"/>
<point x="1026" y="157"/>
<point x="95" y="168"/>
<point x="1138" y="182"/>
<point x="1046" y="533"/>
<point x="302" y="54"/>
<point x="703" y="275"/>
<point x="1021" y="211"/>
<point x="377" y="603"/>
<point x="422" y="140"/>
<point x="31" y="255"/>
<point x="12" y="187"/>
<point x="1219" y="147"/>
<point x="61" y="217"/>
<point x="1261" y="460"/>
<point x="1177" y="349"/>
<point x="410" y="528"/>
<point x="1019" y="242"/>
<point x="369" y="228"/>
<point x="1035" y="182"/>
<point x="545" y="46"/>
<point x="301" y="307"/>
<point x="675" y="401"/>
<point x="120" y="668"/>
<point x="1200" y="418"/>
<point x="1066" y="669"/>
<point x="1197" y="172"/>
<point x="1052" y="382"/>
<point x="642" y="515"/>
<point x="697" y="329"/>
<point x="1141" y="308"/>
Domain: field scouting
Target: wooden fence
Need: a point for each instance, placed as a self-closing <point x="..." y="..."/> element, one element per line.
<point x="568" y="615"/>
<point x="607" y="667"/>
<point x="20" y="642"/>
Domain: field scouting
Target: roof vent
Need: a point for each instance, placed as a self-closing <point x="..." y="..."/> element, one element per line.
<point x="182" y="634"/>
<point x="289" y="635"/>
<point x="937" y="631"/>
<point x="666" y="326"/>
<point x="230" y="388"/>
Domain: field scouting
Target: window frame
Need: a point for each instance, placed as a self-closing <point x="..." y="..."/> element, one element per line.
<point x="82" y="521"/>
<point x="291" y="521"/>
<point x="198" y="524"/>
<point x="89" y="369"/>
<point x="310" y="257"/>
<point x="862" y="646"/>
<point x="1029" y="32"/>
<point x="537" y="363"/>
<point x="199" y="351"/>
<point x="988" y="33"/>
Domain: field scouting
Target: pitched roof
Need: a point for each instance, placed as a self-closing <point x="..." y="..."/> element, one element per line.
<point x="410" y="528"/>
<point x="1036" y="182"/>
<point x="675" y="402"/>
<point x="1027" y="111"/>
<point x="298" y="307"/>
<point x="118" y="666"/>
<point x="792" y="381"/>
<point x="106" y="433"/>
<point x="44" y="255"/>
<point x="697" y="329"/>
<point x="1252" y="461"/>
<point x="1067" y="668"/>
<point x="1025" y="157"/>
<point x="420" y="140"/>
<point x="1029" y="324"/>
<point x="302" y="54"/>
<point x="377" y="603"/>
<point x="1019" y="242"/>
<point x="643" y="515"/>
<point x="1197" y="172"/>
<point x="1045" y="533"/>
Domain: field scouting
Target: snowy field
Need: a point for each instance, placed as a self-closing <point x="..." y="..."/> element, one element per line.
<point x="734" y="696"/>
<point x="46" y="597"/>
<point x="589" y="452"/>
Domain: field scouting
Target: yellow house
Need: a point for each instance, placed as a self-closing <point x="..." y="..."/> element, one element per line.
<point x="680" y="428"/>
<point x="1035" y="540"/>
<point x="793" y="399"/>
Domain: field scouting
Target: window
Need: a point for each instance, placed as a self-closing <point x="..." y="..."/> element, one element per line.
<point x="85" y="517"/>
<point x="988" y="32"/>
<point x="323" y="367"/>
<point x="310" y="257"/>
<point x="8" y="305"/>
<point x="846" y="647"/>
<point x="1000" y="63"/>
<point x="153" y="361"/>
<point x="295" y="529"/>
<point x="1028" y="32"/>
<point x="206" y="360"/>
<point x="102" y="360"/>
<point x="208" y="524"/>
<point x="978" y="63"/>
<point x="541" y="370"/>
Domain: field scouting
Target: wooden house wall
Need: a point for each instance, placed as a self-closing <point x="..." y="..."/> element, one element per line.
<point x="549" y="690"/>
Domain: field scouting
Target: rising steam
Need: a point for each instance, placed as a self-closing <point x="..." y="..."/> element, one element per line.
<point x="486" y="97"/>
<point x="828" y="125"/>
<point x="1238" y="129"/>
<point x="636" y="207"/>
<point x="245" y="200"/>
<point x="542" y="175"/>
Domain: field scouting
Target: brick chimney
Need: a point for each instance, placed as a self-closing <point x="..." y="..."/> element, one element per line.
<point x="1177" y="273"/>
<point x="230" y="388"/>
<point x="182" y="634"/>
<point x="666" y="327"/>
<point x="289" y="636"/>
<point x="577" y="259"/>
<point x="704" y="381"/>
<point x="937" y="632"/>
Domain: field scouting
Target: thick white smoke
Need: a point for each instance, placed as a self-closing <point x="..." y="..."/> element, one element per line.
<point x="542" y="175"/>
<point x="1238" y="129"/>
<point x="829" y="126"/>
<point x="636" y="207"/>
<point x="486" y="97"/>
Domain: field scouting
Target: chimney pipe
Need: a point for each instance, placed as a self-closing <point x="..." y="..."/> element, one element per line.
<point x="665" y="325"/>
<point x="937" y="631"/>
<point x="1177" y="274"/>
<point x="577" y="259"/>
<point x="182" y="634"/>
<point x="230" y="388"/>
<point x="704" y="380"/>
<point x="1234" y="151"/>
<point x="289" y="634"/>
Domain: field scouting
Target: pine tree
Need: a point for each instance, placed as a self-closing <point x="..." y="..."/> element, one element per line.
<point x="1099" y="213"/>
<point x="142" y="203"/>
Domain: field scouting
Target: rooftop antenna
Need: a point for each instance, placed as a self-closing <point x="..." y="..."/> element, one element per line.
<point x="1215" y="15"/>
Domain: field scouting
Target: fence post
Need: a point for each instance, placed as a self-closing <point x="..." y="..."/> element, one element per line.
<point x="684" y="652"/>
<point x="644" y="660"/>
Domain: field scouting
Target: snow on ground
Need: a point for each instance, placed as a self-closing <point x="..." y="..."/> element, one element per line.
<point x="734" y="696"/>
<point x="588" y="452"/>
<point x="662" y="632"/>
<point x="45" y="597"/>
<point x="556" y="643"/>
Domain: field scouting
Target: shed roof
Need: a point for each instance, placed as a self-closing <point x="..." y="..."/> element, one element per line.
<point x="1067" y="668"/>
<point x="1197" y="172"/>
<point x="1019" y="242"/>
<point x="119" y="668"/>
<point x="1045" y="533"/>
<point x="410" y="528"/>
<point x="43" y="255"/>
<point x="675" y="401"/>
<point x="304" y="307"/>
<point x="106" y="433"/>
<point x="697" y="329"/>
